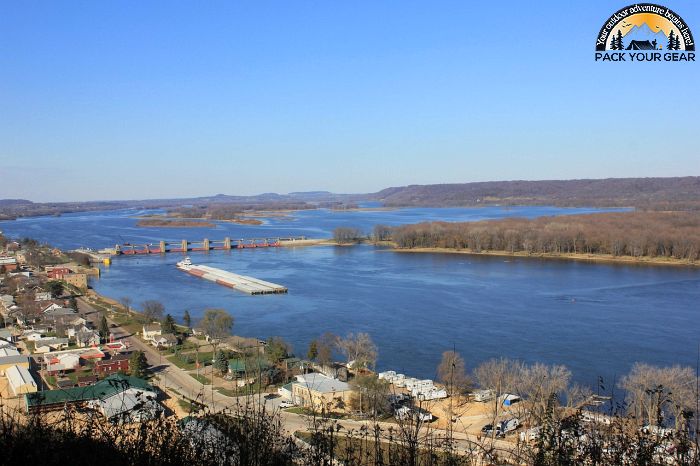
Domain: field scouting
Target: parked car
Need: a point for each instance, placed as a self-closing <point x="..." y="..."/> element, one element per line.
<point x="271" y="396"/>
<point x="489" y="430"/>
<point x="286" y="404"/>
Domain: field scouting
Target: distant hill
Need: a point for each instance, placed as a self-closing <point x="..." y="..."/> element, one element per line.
<point x="14" y="202"/>
<point x="646" y="193"/>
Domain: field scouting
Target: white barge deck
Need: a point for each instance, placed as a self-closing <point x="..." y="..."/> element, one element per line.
<point x="250" y="285"/>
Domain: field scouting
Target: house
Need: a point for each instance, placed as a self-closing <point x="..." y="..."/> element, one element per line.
<point x="73" y="330"/>
<point x="17" y="360"/>
<point x="165" y="341"/>
<point x="87" y="338"/>
<point x="92" y="354"/>
<point x="318" y="391"/>
<point x="49" y="307"/>
<point x="45" y="345"/>
<point x="7" y="300"/>
<point x="57" y="273"/>
<point x="117" y="363"/>
<point x="6" y="335"/>
<point x="285" y="391"/>
<point x="247" y="370"/>
<point x="5" y="344"/>
<point x="42" y="296"/>
<point x="86" y="380"/>
<point x="62" y="362"/>
<point x="8" y="351"/>
<point x="131" y="405"/>
<point x="33" y="335"/>
<point x="131" y="395"/>
<point x="243" y="344"/>
<point x="78" y="280"/>
<point x="20" y="380"/>
<point x="58" y="311"/>
<point x="151" y="331"/>
<point x="116" y="346"/>
<point x="8" y="264"/>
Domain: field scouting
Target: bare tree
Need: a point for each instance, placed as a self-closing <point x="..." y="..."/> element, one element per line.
<point x="659" y="393"/>
<point x="126" y="301"/>
<point x="359" y="350"/>
<point x="499" y="376"/>
<point x="325" y="345"/>
<point x="216" y="324"/>
<point x="537" y="383"/>
<point x="346" y="235"/>
<point x="153" y="310"/>
<point x="452" y="373"/>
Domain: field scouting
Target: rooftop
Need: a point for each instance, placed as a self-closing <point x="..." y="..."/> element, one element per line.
<point x="321" y="383"/>
<point x="18" y="376"/>
<point x="102" y="390"/>
<point x="254" y="364"/>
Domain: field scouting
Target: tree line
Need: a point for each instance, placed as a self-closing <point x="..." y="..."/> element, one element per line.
<point x="638" y="234"/>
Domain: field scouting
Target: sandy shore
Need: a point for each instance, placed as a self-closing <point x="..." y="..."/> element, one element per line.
<point x="308" y="242"/>
<point x="600" y="258"/>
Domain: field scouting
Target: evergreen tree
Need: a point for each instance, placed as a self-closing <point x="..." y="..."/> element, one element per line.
<point x="671" y="41"/>
<point x="73" y="303"/>
<point x="613" y="43"/>
<point x="277" y="349"/>
<point x="678" y="43"/>
<point x="168" y="324"/>
<point x="104" y="328"/>
<point x="187" y="319"/>
<point x="312" y="353"/>
<point x="54" y="287"/>
<point x="221" y="362"/>
<point x="138" y="364"/>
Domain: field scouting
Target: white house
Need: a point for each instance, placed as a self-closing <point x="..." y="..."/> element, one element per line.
<point x="72" y="331"/>
<point x="87" y="338"/>
<point x="33" y="335"/>
<point x="150" y="331"/>
<point x="62" y="362"/>
<point x="45" y="345"/>
<point x="165" y="341"/>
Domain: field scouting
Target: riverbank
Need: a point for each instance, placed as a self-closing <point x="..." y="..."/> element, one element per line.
<point x="166" y="223"/>
<point x="595" y="258"/>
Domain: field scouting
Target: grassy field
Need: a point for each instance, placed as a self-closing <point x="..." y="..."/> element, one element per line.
<point x="201" y="379"/>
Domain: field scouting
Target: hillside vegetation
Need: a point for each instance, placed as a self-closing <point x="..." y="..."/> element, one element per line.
<point x="644" y="193"/>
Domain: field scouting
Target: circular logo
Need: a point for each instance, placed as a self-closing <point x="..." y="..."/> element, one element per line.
<point x="645" y="26"/>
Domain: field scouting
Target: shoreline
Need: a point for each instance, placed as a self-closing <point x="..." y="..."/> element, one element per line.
<point x="594" y="258"/>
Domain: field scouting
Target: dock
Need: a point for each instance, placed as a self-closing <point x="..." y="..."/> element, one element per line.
<point x="245" y="284"/>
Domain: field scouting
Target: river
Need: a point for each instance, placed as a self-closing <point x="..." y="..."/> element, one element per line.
<point x="597" y="319"/>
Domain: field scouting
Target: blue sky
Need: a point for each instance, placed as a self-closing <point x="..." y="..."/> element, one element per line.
<point x="125" y="100"/>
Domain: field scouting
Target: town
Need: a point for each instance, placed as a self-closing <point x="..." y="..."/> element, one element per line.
<point x="64" y="347"/>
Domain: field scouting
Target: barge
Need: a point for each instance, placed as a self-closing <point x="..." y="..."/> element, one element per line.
<point x="250" y="285"/>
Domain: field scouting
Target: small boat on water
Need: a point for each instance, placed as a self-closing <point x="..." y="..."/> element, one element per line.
<point x="184" y="264"/>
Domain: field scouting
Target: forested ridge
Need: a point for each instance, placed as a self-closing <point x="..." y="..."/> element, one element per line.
<point x="673" y="235"/>
<point x="681" y="193"/>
